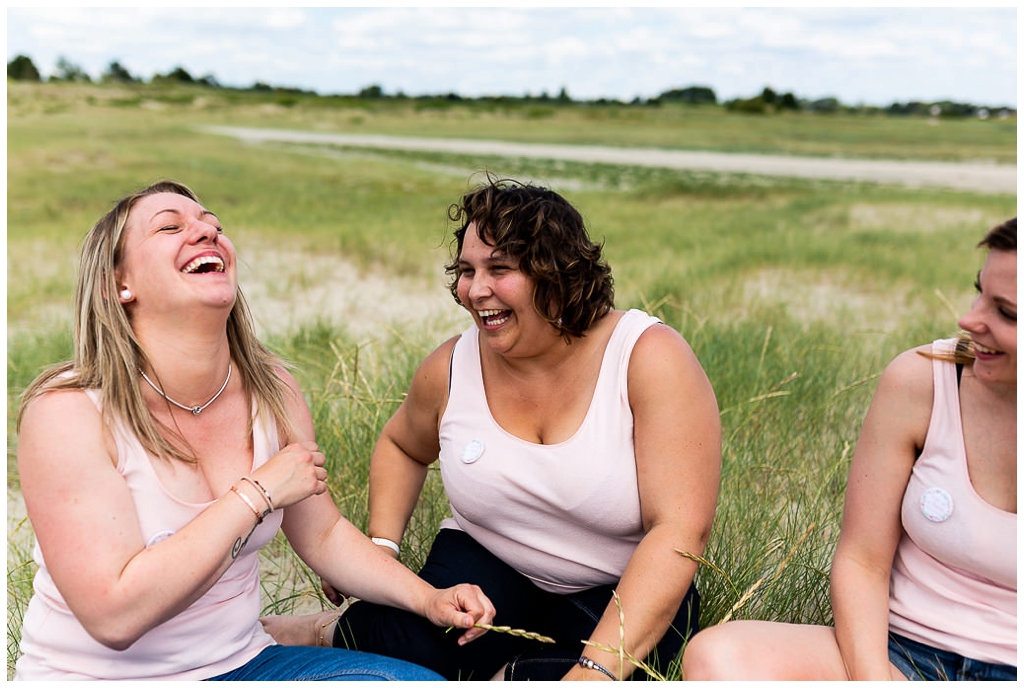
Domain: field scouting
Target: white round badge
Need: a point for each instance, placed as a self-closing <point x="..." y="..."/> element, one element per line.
<point x="936" y="504"/>
<point x="159" y="537"/>
<point x="473" y="450"/>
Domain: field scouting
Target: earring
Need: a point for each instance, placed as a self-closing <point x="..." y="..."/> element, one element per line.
<point x="126" y="293"/>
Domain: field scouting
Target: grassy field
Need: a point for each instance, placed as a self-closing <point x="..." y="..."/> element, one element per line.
<point x="667" y="126"/>
<point x="794" y="294"/>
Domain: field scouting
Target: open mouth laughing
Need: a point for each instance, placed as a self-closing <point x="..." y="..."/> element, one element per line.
<point x="204" y="264"/>
<point x="984" y="350"/>
<point x="494" y="318"/>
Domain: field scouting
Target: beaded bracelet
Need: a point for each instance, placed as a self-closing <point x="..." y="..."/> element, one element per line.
<point x="588" y="663"/>
<point x="248" y="502"/>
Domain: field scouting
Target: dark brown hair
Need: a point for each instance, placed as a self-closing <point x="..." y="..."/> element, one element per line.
<point x="1002" y="237"/>
<point x="546" y="236"/>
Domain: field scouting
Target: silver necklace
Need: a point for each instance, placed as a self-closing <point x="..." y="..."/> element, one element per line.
<point x="196" y="410"/>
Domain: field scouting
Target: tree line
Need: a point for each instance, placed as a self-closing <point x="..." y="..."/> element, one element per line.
<point x="22" y="68"/>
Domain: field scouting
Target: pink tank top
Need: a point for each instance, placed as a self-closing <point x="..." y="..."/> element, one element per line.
<point x="219" y="632"/>
<point x="954" y="577"/>
<point x="565" y="515"/>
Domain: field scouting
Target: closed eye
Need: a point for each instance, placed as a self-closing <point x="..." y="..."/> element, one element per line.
<point x="1007" y="311"/>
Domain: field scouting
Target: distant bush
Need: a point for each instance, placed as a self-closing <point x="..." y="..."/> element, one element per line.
<point x="69" y="71"/>
<point x="208" y="80"/>
<point x="748" y="106"/>
<point x="768" y="101"/>
<point x="944" y="108"/>
<point x="178" y="74"/>
<point x="374" y="91"/>
<point x="21" y="68"/>
<point x="789" y="102"/>
<point x="117" y="73"/>
<point x="692" y="94"/>
<point x="825" y="105"/>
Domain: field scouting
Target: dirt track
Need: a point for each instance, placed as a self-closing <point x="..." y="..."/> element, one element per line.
<point x="985" y="178"/>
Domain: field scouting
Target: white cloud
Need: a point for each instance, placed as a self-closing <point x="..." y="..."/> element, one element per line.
<point x="284" y="19"/>
<point x="874" y="55"/>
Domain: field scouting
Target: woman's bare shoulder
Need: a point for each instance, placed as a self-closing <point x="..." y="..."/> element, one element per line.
<point x="57" y="403"/>
<point x="60" y="426"/>
<point x="910" y="373"/>
<point x="437" y="362"/>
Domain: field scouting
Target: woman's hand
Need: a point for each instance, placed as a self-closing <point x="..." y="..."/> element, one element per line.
<point x="461" y="606"/>
<point x="335" y="597"/>
<point x="294" y="473"/>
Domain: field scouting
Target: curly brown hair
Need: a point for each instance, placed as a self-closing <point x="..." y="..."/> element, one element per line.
<point x="1002" y="237"/>
<point x="546" y="236"/>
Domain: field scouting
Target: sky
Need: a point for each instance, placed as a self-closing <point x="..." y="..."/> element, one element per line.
<point x="868" y="55"/>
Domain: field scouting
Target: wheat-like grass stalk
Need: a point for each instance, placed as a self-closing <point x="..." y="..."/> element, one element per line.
<point x="774" y="392"/>
<point x="621" y="649"/>
<point x="622" y="631"/>
<point x="748" y="593"/>
<point x="519" y="633"/>
<point x="711" y="565"/>
<point x="856" y="383"/>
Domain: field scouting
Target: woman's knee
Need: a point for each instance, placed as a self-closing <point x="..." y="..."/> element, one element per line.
<point x="717" y="653"/>
<point x="764" y="651"/>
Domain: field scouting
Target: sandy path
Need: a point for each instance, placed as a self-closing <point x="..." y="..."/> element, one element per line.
<point x="987" y="178"/>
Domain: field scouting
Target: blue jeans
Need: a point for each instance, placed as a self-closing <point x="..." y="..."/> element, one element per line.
<point x="920" y="662"/>
<point x="286" y="663"/>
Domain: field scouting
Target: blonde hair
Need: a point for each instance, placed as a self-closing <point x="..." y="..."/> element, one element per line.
<point x="108" y="356"/>
<point x="962" y="353"/>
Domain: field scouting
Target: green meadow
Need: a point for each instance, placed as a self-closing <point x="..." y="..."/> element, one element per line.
<point x="794" y="294"/>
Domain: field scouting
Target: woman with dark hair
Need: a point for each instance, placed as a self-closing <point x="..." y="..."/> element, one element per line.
<point x="158" y="462"/>
<point x="580" y="449"/>
<point x="924" y="582"/>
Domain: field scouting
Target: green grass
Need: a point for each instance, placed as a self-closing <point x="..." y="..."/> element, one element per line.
<point x="668" y="126"/>
<point x="794" y="294"/>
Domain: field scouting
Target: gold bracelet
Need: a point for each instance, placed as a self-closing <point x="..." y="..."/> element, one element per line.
<point x="263" y="493"/>
<point x="248" y="502"/>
